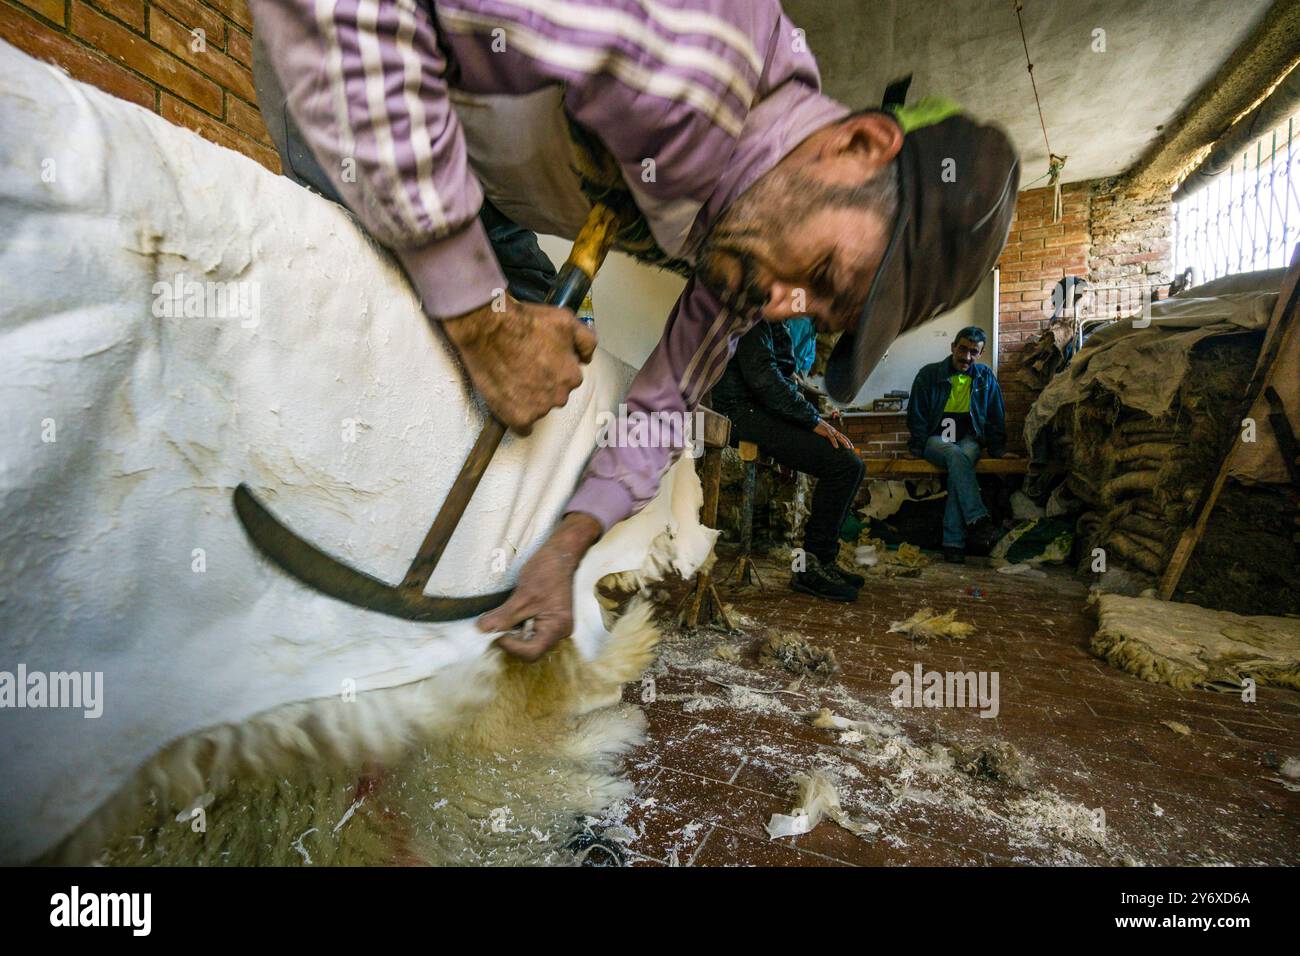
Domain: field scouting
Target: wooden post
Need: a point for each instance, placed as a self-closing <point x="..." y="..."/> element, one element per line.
<point x="702" y="603"/>
<point x="745" y="571"/>
<point x="1281" y="328"/>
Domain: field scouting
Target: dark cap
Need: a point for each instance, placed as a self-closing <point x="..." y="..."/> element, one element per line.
<point x="957" y="183"/>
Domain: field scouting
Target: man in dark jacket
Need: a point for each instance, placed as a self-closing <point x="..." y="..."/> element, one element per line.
<point x="758" y="393"/>
<point x="955" y="410"/>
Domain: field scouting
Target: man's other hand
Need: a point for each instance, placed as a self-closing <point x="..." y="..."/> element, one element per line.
<point x="829" y="432"/>
<point x="544" y="594"/>
<point x="524" y="359"/>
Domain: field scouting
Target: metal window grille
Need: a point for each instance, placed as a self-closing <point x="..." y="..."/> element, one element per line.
<point x="1249" y="217"/>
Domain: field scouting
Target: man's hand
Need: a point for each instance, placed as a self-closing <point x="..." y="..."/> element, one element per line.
<point x="524" y="360"/>
<point x="544" y="593"/>
<point x="828" y="431"/>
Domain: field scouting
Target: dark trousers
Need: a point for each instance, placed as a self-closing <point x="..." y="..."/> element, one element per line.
<point x="838" y="472"/>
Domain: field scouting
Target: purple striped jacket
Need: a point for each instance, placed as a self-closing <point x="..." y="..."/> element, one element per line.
<point x="416" y="109"/>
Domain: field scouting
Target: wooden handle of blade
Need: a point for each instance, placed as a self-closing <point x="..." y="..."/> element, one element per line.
<point x="453" y="508"/>
<point x="574" y="280"/>
<point x="594" y="240"/>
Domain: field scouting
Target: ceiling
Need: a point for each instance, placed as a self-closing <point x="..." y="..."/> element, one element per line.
<point x="1102" y="109"/>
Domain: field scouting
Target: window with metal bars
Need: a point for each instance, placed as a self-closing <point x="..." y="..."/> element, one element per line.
<point x="1248" y="217"/>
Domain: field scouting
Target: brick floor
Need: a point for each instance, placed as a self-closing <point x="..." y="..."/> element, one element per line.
<point x="708" y="779"/>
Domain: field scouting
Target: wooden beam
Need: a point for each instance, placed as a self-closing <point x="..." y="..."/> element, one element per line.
<point x="904" y="467"/>
<point x="1281" y="327"/>
<point x="1245" y="78"/>
<point x="717" y="428"/>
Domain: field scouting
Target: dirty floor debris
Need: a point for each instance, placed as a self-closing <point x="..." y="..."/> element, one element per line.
<point x="794" y="654"/>
<point x="927" y="624"/>
<point x="1078" y="767"/>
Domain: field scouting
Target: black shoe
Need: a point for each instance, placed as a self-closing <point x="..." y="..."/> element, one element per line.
<point x="817" y="581"/>
<point x="981" y="535"/>
<point x="954" y="555"/>
<point x="854" y="581"/>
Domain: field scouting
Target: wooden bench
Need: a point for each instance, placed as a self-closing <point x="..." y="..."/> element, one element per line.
<point x="915" y="467"/>
<point x="702" y="606"/>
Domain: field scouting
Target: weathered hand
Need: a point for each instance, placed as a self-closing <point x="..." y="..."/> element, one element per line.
<point x="544" y="593"/>
<point x="524" y="360"/>
<point x="829" y="432"/>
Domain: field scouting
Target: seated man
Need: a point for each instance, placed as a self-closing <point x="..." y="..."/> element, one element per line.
<point x="955" y="409"/>
<point x="758" y="393"/>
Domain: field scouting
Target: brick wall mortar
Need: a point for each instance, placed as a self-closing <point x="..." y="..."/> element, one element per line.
<point x="144" y="51"/>
<point x="878" y="436"/>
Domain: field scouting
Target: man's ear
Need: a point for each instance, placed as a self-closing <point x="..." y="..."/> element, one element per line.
<point x="873" y="139"/>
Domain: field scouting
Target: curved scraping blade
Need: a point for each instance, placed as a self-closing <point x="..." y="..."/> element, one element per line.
<point x="319" y="571"/>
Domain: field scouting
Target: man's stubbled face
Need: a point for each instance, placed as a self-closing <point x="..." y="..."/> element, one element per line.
<point x="964" y="354"/>
<point x="795" y="245"/>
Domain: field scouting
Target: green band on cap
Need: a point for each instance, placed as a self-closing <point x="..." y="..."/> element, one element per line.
<point x="925" y="112"/>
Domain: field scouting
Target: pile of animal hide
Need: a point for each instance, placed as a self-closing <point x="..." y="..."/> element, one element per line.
<point x="884" y="498"/>
<point x="905" y="561"/>
<point x="295" y="358"/>
<point x="1188" y="646"/>
<point x="1143" y="416"/>
<point x="1046" y="355"/>
<point x="1035" y="541"/>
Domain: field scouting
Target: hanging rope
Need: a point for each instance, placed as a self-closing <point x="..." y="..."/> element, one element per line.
<point x="1054" y="163"/>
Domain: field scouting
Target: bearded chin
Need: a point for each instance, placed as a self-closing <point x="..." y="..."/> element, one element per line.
<point x="731" y="235"/>
<point x="748" y="298"/>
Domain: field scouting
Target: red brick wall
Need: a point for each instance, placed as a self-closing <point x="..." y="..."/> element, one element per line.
<point x="1039" y="253"/>
<point x="144" y="51"/>
<point x="878" y="436"/>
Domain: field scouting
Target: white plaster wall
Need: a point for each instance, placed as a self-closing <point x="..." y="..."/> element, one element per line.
<point x="632" y="301"/>
<point x="931" y="342"/>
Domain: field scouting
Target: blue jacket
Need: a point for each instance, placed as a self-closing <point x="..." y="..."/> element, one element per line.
<point x="930" y="390"/>
<point x="803" y="339"/>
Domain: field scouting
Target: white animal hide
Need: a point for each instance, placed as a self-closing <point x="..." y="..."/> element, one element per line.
<point x="119" y="549"/>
